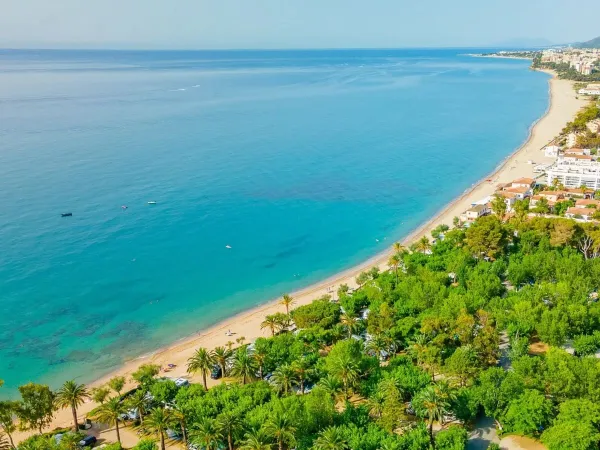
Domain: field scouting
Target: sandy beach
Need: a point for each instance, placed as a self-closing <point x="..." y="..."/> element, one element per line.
<point x="562" y="108"/>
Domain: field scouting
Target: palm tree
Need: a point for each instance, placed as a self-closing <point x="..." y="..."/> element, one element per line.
<point x="333" y="386"/>
<point x="260" y="356"/>
<point x="256" y="440"/>
<point x="271" y="323"/>
<point x="303" y="370"/>
<point x="331" y="439"/>
<point x="280" y="427"/>
<point x="283" y="378"/>
<point x="229" y="423"/>
<point x="139" y="402"/>
<point x="423" y="244"/>
<point x="394" y="263"/>
<point x="179" y="416"/>
<point x="70" y="441"/>
<point x="287" y="301"/>
<point x="347" y="370"/>
<point x="244" y="365"/>
<point x="202" y="361"/>
<point x="350" y="322"/>
<point x="221" y="355"/>
<point x="377" y="344"/>
<point x="375" y="404"/>
<point x="207" y="434"/>
<point x="3" y="444"/>
<point x="398" y="248"/>
<point x="456" y="222"/>
<point x="158" y="421"/>
<point x="429" y="403"/>
<point x="109" y="414"/>
<point x="72" y="395"/>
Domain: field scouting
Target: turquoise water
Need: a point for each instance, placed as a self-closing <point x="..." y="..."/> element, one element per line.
<point x="304" y="162"/>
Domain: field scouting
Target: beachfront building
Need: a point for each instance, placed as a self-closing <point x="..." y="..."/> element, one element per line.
<point x="551" y="151"/>
<point x="474" y="212"/>
<point x="573" y="175"/>
<point x="591" y="89"/>
<point x="577" y="151"/>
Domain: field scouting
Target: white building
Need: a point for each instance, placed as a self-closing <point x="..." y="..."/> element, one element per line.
<point x="574" y="176"/>
<point x="591" y="89"/>
<point x="474" y="212"/>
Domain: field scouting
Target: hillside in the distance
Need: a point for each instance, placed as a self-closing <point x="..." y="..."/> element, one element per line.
<point x="593" y="43"/>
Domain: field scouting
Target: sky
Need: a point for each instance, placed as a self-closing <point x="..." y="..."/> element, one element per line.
<point x="245" y="24"/>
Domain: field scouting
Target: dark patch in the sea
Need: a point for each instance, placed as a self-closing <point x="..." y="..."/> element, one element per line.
<point x="127" y="329"/>
<point x="90" y="324"/>
<point x="36" y="347"/>
<point x="288" y="252"/>
<point x="80" y="356"/>
<point x="269" y="265"/>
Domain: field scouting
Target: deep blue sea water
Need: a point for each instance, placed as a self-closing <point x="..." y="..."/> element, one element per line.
<point x="304" y="162"/>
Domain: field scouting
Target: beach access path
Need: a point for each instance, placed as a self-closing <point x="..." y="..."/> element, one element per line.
<point x="562" y="108"/>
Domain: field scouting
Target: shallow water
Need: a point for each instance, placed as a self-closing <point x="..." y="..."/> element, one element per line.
<point x="304" y="162"/>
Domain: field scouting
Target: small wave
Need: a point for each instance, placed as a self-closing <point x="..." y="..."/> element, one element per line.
<point x="175" y="90"/>
<point x="196" y="85"/>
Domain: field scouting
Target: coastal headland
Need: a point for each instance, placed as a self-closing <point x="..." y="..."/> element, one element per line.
<point x="563" y="105"/>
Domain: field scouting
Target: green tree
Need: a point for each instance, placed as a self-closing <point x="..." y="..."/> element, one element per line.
<point x="37" y="406"/>
<point x="145" y="374"/>
<point x="333" y="386"/>
<point x="8" y="409"/>
<point x="303" y="370"/>
<point x="284" y="378"/>
<point x="463" y="364"/>
<point x="145" y="444"/>
<point x="486" y="237"/>
<point x="109" y="414"/>
<point x="281" y="428"/>
<point x="221" y="356"/>
<point x="229" y="423"/>
<point x="499" y="206"/>
<point x="350" y="322"/>
<point x="528" y="413"/>
<point x="287" y="301"/>
<point x="158" y="421"/>
<point x="138" y="402"/>
<point x="72" y="395"/>
<point x="202" y="361"/>
<point x="244" y="365"/>
<point x="256" y="440"/>
<point x="571" y="436"/>
<point x="271" y="322"/>
<point x="207" y="434"/>
<point x="331" y="438"/>
<point x="117" y="384"/>
<point x="100" y="394"/>
<point x="430" y="403"/>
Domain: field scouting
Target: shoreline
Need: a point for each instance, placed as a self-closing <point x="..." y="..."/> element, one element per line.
<point x="562" y="106"/>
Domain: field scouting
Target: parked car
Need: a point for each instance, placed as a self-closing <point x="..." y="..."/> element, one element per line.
<point x="172" y="434"/>
<point x="216" y="373"/>
<point x="88" y="441"/>
<point x="180" y="382"/>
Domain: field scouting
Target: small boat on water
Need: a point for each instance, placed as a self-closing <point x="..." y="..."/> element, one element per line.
<point x="228" y="246"/>
<point x="152" y="203"/>
<point x="66" y="214"/>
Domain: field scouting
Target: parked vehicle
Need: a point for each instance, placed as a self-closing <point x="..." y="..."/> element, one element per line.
<point x="88" y="441"/>
<point x="216" y="373"/>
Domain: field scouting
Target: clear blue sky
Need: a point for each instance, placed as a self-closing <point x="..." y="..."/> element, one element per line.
<point x="198" y="24"/>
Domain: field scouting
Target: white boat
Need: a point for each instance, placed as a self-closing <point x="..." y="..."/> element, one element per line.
<point x="228" y="246"/>
<point x="152" y="203"/>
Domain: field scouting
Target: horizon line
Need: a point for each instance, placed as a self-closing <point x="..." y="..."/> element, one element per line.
<point x="273" y="49"/>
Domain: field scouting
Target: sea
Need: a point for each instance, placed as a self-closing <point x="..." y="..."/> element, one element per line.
<point x="271" y="170"/>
